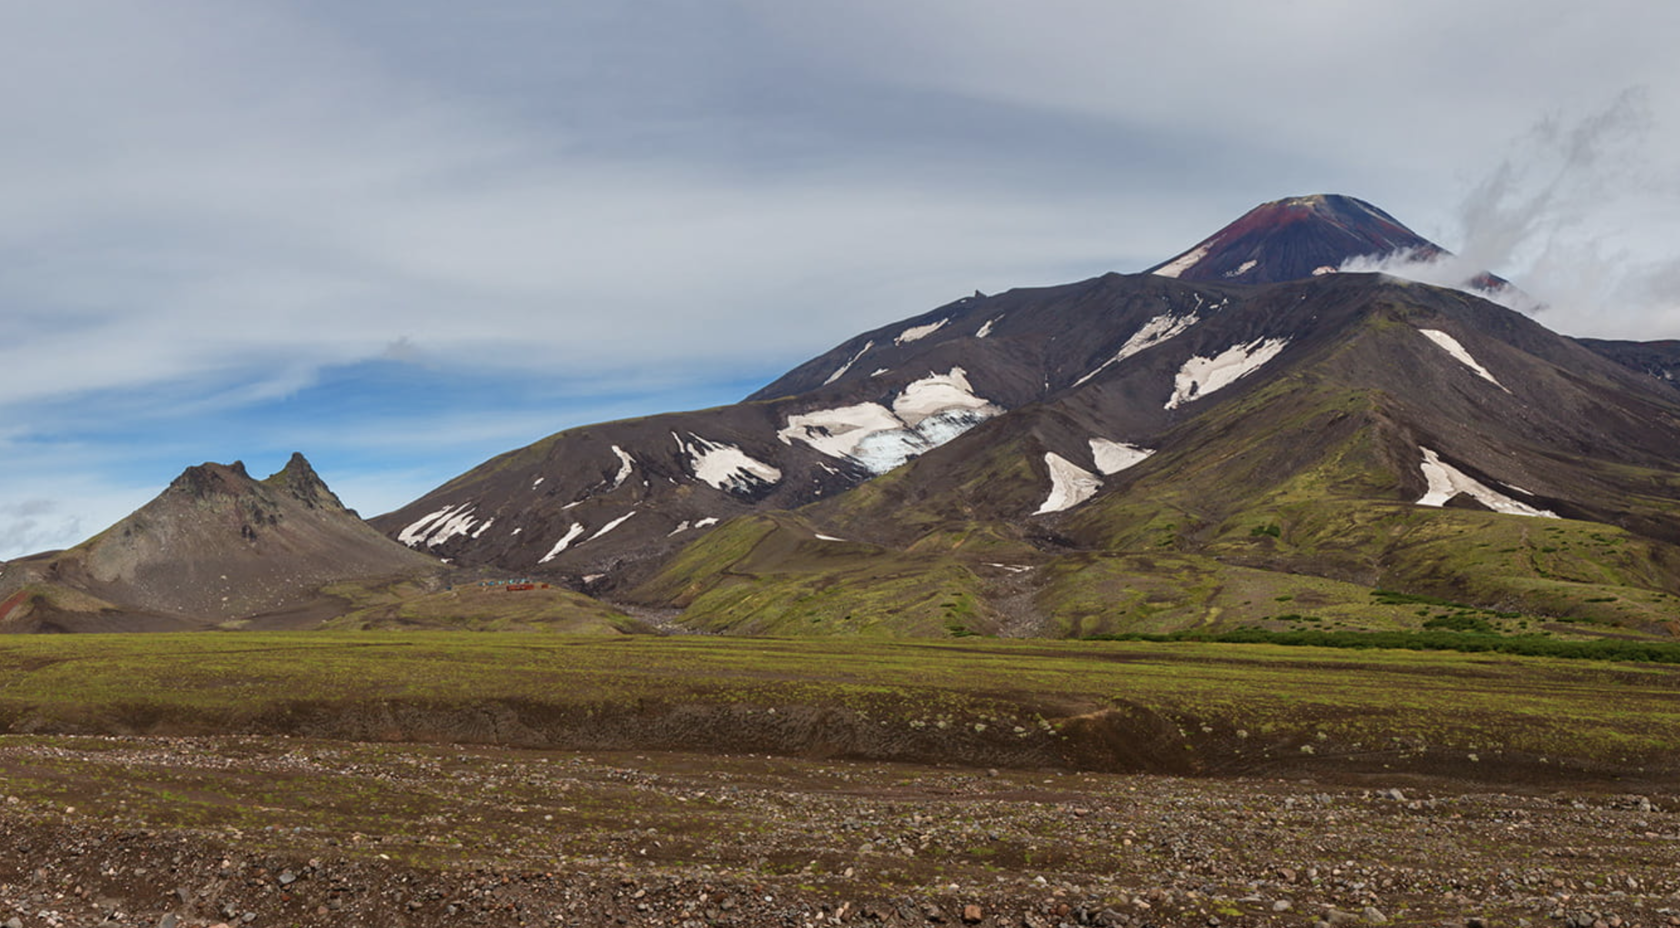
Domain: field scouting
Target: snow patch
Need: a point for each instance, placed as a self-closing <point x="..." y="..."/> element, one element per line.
<point x="879" y="371"/>
<point x="1200" y="376"/>
<point x="883" y="451"/>
<point x="1452" y="347"/>
<point x="848" y="365"/>
<point x="681" y="528"/>
<point x="538" y="482"/>
<point x="1447" y="481"/>
<point x="417" y="531"/>
<point x="611" y="525"/>
<point x="917" y="332"/>
<point x="986" y="329"/>
<point x="727" y="467"/>
<point x="829" y="538"/>
<point x="1323" y="269"/>
<point x="705" y="522"/>
<point x="936" y="393"/>
<point x="1112" y="457"/>
<point x="455" y="525"/>
<point x="1148" y="335"/>
<point x="1243" y="268"/>
<point x="1070" y="484"/>
<point x="837" y="432"/>
<point x="564" y="543"/>
<point x="481" y="529"/>
<point x="438" y="527"/>
<point x="625" y="463"/>
<point x="926" y="414"/>
<point x="1183" y="263"/>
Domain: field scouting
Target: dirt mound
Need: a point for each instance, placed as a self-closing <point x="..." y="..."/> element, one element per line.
<point x="1125" y="739"/>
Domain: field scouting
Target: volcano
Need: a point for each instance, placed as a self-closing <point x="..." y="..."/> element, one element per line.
<point x="1127" y="452"/>
<point x="1237" y="437"/>
<point x="1300" y="237"/>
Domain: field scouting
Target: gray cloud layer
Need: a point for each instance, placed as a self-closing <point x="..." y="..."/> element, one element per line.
<point x="1540" y="216"/>
<point x="225" y="198"/>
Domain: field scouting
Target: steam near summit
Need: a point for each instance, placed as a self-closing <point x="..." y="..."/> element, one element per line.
<point x="1299" y="237"/>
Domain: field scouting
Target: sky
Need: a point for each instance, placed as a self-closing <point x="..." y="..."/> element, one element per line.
<point x="403" y="236"/>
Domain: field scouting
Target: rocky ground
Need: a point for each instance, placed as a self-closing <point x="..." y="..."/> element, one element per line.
<point x="278" y="831"/>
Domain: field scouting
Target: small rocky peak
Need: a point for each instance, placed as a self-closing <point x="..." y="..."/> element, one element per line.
<point x="299" y="479"/>
<point x="212" y="479"/>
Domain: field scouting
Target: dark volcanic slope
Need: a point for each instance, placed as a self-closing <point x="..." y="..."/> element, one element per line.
<point x="1351" y="428"/>
<point x="1660" y="359"/>
<point x="1033" y="412"/>
<point x="215" y="546"/>
<point x="1490" y="393"/>
<point x="604" y="502"/>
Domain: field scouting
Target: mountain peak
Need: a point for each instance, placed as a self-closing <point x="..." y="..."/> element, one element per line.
<point x="218" y="546"/>
<point x="1293" y="238"/>
<point x="211" y="479"/>
<point x="300" y="480"/>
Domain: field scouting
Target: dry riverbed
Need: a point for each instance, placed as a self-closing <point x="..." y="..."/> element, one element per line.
<point x="269" y="831"/>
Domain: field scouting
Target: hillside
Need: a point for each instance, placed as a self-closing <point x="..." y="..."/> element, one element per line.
<point x="1398" y="437"/>
<point x="1237" y="436"/>
<point x="216" y="548"/>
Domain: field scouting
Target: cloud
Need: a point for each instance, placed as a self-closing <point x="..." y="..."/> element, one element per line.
<point x="246" y="194"/>
<point x="208" y="190"/>
<point x="34" y="525"/>
<point x="1538" y="218"/>
<point x="213" y="209"/>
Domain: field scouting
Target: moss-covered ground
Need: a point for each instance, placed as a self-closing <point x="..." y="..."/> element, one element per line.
<point x="1183" y="706"/>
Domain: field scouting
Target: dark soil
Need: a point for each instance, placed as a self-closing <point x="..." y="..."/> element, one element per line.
<point x="289" y="831"/>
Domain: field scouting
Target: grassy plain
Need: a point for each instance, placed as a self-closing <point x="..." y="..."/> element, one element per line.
<point x="470" y="606"/>
<point x="1186" y="707"/>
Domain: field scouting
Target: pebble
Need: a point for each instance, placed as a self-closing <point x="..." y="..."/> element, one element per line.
<point x="1175" y="869"/>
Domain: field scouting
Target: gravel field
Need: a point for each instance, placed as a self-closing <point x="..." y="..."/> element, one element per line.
<point x="178" y="832"/>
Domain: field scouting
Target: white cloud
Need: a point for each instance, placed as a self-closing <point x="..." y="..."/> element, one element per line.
<point x="1551" y="217"/>
<point x="59" y="508"/>
<point x="209" y="204"/>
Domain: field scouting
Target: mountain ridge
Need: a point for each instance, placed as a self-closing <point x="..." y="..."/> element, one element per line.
<point x="1128" y="452"/>
<point x="215" y="547"/>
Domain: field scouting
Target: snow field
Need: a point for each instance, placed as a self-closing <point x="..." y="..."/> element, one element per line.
<point x="1200" y="376"/>
<point x="1446" y="481"/>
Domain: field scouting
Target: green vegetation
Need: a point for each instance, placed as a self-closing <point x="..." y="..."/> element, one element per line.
<point x="1178" y="702"/>
<point x="1289" y="493"/>
<point x="770" y="574"/>
<point x="470" y="607"/>
<point x="1467" y="635"/>
<point x="1460" y="622"/>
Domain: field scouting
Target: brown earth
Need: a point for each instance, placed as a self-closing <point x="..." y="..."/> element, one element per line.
<point x="296" y="831"/>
